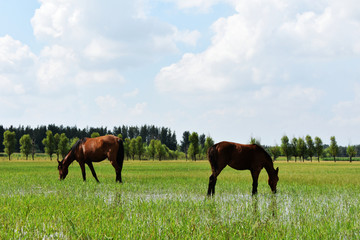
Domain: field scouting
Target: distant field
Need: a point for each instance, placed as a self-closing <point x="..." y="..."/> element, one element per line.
<point x="167" y="200"/>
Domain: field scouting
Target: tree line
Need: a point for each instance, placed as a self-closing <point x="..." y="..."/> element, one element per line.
<point x="147" y="141"/>
<point x="37" y="134"/>
<point x="152" y="142"/>
<point x="307" y="148"/>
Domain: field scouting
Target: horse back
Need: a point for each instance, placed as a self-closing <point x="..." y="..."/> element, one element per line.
<point x="239" y="156"/>
<point x="99" y="148"/>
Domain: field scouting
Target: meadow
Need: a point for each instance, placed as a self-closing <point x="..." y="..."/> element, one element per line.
<point x="167" y="200"/>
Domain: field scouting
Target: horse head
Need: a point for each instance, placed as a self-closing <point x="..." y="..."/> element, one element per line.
<point x="63" y="171"/>
<point x="273" y="179"/>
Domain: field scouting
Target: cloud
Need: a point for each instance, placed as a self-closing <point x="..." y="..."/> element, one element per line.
<point x="138" y="109"/>
<point x="264" y="42"/>
<point x="347" y="113"/>
<point x="15" y="57"/>
<point x="133" y="93"/>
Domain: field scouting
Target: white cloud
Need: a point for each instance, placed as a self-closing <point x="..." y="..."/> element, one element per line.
<point x="133" y="93"/>
<point x="106" y="103"/>
<point x="347" y="113"/>
<point x="15" y="57"/>
<point x="258" y="43"/>
<point x="138" y="109"/>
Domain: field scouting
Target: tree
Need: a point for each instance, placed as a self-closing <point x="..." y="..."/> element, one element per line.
<point x="151" y="149"/>
<point x="57" y="140"/>
<point x="310" y="146"/>
<point x="285" y="147"/>
<point x="95" y="134"/>
<point x="160" y="149"/>
<point x="275" y="151"/>
<point x="301" y="148"/>
<point x="132" y="148"/>
<point x="254" y="141"/>
<point x="294" y="147"/>
<point x="49" y="143"/>
<point x="351" y="151"/>
<point x="194" y="144"/>
<point x="319" y="147"/>
<point x="9" y="142"/>
<point x="73" y="141"/>
<point x="139" y="147"/>
<point x="127" y="148"/>
<point x="26" y="145"/>
<point x="333" y="149"/>
<point x="63" y="146"/>
<point x="185" y="143"/>
<point x="209" y="142"/>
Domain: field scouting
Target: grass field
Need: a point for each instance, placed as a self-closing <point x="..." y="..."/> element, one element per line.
<point x="167" y="200"/>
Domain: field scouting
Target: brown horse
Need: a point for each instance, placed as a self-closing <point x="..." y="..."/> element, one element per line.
<point x="90" y="150"/>
<point x="241" y="157"/>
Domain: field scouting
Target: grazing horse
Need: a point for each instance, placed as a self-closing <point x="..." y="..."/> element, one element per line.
<point x="89" y="150"/>
<point x="241" y="157"/>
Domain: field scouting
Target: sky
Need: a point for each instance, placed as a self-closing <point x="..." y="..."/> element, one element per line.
<point x="231" y="69"/>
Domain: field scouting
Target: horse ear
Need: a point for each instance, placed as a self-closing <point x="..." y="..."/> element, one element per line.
<point x="277" y="170"/>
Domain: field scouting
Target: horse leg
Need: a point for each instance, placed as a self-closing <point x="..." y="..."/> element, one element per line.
<point x="117" y="170"/>
<point x="212" y="182"/>
<point x="255" y="177"/>
<point x="82" y="166"/>
<point x="213" y="179"/>
<point x="93" y="170"/>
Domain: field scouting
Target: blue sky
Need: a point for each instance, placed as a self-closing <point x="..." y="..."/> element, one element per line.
<point x="231" y="69"/>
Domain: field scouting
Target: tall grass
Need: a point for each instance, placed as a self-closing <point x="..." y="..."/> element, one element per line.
<point x="167" y="200"/>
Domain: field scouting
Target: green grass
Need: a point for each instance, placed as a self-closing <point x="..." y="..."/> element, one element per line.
<point x="167" y="200"/>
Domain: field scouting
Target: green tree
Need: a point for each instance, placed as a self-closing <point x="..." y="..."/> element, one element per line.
<point x="334" y="148"/>
<point x="294" y="147"/>
<point x="151" y="149"/>
<point x="185" y="143"/>
<point x="285" y="147"/>
<point x="139" y="146"/>
<point x="94" y="135"/>
<point x="63" y="146"/>
<point x="57" y="140"/>
<point x="301" y="148"/>
<point x="9" y="142"/>
<point x="26" y="145"/>
<point x="275" y="151"/>
<point x="160" y="149"/>
<point x="209" y="142"/>
<point x="351" y="151"/>
<point x="73" y="141"/>
<point x="49" y="143"/>
<point x="194" y="145"/>
<point x="310" y="146"/>
<point x="319" y="147"/>
<point x="127" y="147"/>
<point x="255" y="141"/>
<point x="132" y="148"/>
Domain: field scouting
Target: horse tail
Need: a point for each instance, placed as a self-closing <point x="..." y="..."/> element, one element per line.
<point x="120" y="154"/>
<point x="212" y="156"/>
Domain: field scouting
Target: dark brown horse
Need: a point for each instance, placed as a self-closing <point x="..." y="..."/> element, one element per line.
<point x="241" y="157"/>
<point x="89" y="150"/>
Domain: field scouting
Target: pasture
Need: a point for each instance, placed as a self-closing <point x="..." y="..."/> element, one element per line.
<point x="167" y="200"/>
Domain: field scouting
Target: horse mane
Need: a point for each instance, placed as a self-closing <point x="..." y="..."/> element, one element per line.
<point x="77" y="144"/>
<point x="266" y="152"/>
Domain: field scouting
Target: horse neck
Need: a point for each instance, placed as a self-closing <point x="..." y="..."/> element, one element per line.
<point x="269" y="167"/>
<point x="69" y="158"/>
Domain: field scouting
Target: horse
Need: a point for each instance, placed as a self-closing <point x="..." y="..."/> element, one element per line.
<point x="241" y="157"/>
<point x="89" y="150"/>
